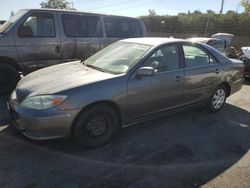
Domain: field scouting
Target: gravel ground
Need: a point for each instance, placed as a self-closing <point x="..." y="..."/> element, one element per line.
<point x="188" y="149"/>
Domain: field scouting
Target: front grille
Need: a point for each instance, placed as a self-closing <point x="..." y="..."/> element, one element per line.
<point x="19" y="96"/>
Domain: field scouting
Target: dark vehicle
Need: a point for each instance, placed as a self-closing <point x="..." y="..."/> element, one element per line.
<point x="36" y="38"/>
<point x="245" y="57"/>
<point x="2" y="22"/>
<point x="130" y="81"/>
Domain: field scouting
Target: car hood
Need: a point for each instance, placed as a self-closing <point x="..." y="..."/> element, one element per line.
<point x="59" y="78"/>
<point x="246" y="51"/>
<point x="224" y="36"/>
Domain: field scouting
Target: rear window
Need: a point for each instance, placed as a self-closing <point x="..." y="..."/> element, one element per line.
<point x="122" y="28"/>
<point x="81" y="26"/>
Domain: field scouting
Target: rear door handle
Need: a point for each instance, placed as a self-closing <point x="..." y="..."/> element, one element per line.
<point x="177" y="78"/>
<point x="217" y="71"/>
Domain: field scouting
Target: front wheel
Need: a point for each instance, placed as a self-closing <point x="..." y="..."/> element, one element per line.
<point x="9" y="77"/>
<point x="95" y="126"/>
<point x="217" y="99"/>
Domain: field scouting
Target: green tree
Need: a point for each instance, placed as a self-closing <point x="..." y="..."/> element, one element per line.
<point x="197" y="12"/>
<point x="56" y="4"/>
<point x="210" y="12"/>
<point x="151" y="12"/>
<point x="246" y="5"/>
<point x="199" y="23"/>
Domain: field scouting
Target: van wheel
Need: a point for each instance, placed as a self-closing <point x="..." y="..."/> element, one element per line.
<point x="95" y="126"/>
<point x="217" y="99"/>
<point x="9" y="77"/>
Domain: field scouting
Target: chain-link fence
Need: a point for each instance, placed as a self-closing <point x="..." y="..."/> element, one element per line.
<point x="238" y="41"/>
<point x="201" y="26"/>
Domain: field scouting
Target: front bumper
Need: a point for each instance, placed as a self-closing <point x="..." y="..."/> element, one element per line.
<point x="42" y="124"/>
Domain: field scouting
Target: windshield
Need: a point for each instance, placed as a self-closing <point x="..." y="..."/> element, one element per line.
<point x="13" y="19"/>
<point x="118" y="57"/>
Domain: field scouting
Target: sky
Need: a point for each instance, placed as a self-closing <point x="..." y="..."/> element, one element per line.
<point x="133" y="8"/>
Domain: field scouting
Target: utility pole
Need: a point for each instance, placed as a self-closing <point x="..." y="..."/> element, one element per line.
<point x="205" y="33"/>
<point x="222" y="6"/>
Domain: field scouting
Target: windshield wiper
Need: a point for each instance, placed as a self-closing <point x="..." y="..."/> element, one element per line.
<point x="95" y="67"/>
<point x="92" y="66"/>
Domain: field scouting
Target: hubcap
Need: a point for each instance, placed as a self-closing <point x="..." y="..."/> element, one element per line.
<point x="97" y="125"/>
<point x="218" y="98"/>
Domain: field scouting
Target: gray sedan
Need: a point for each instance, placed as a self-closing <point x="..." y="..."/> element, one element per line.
<point x="130" y="81"/>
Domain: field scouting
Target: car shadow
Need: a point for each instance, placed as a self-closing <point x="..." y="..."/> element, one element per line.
<point x="186" y="149"/>
<point x="247" y="82"/>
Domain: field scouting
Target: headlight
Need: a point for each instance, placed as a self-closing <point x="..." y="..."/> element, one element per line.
<point x="43" y="102"/>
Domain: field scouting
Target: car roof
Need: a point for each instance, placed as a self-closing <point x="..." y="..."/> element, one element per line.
<point x="202" y="39"/>
<point x="154" y="41"/>
<point x="76" y="12"/>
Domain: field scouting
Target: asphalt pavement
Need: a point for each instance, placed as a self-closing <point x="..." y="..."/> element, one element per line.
<point x="188" y="149"/>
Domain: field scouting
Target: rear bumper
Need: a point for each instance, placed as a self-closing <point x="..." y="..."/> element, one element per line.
<point x="236" y="85"/>
<point x="247" y="70"/>
<point x="247" y="74"/>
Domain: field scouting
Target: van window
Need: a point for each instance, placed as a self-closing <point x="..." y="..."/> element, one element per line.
<point x="122" y="28"/>
<point x="38" y="25"/>
<point x="81" y="26"/>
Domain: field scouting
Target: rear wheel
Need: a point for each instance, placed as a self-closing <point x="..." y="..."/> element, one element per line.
<point x="217" y="99"/>
<point x="247" y="79"/>
<point x="95" y="126"/>
<point x="9" y="77"/>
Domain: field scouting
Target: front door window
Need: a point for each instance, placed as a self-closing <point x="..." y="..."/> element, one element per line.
<point x="165" y="58"/>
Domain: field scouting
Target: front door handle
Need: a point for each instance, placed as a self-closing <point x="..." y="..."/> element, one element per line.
<point x="177" y="78"/>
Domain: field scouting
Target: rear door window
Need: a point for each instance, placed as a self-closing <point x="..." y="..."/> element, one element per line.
<point x="218" y="45"/>
<point x="195" y="57"/>
<point x="38" y="25"/>
<point x="122" y="28"/>
<point x="81" y="26"/>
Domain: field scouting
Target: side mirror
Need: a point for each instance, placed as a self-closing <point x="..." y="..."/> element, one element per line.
<point x="145" y="71"/>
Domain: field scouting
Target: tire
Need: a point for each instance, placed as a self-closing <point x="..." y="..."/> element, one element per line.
<point x="247" y="79"/>
<point x="9" y="78"/>
<point x="95" y="126"/>
<point x="217" y="99"/>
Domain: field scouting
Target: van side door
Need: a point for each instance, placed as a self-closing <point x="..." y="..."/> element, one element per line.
<point x="82" y="35"/>
<point x="38" y="40"/>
